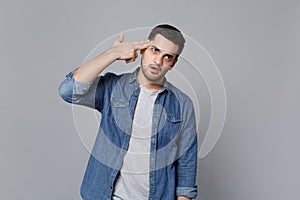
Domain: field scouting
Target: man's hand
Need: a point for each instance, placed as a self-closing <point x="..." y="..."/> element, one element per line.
<point x="128" y="50"/>
<point x="183" y="198"/>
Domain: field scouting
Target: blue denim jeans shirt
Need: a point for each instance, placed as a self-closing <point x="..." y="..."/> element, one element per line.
<point x="173" y="150"/>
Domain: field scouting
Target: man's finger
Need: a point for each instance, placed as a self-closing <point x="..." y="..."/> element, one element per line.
<point x="129" y="60"/>
<point x="135" y="55"/>
<point x="121" y="37"/>
<point x="143" y="44"/>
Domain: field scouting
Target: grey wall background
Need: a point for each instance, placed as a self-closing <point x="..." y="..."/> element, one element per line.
<point x="255" y="44"/>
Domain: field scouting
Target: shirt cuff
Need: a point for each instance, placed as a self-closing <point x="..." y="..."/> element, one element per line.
<point x="190" y="192"/>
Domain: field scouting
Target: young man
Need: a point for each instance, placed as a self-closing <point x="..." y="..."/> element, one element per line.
<point x="146" y="147"/>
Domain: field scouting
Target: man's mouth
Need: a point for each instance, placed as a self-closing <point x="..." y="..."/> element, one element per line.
<point x="154" y="68"/>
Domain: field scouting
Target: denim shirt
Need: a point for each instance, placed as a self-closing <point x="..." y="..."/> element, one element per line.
<point x="173" y="148"/>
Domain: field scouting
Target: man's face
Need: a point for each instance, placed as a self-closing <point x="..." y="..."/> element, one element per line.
<point x="158" y="59"/>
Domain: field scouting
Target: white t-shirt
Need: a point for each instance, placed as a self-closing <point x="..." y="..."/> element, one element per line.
<point x="133" y="181"/>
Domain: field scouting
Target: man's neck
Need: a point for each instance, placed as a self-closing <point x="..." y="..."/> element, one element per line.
<point x="148" y="84"/>
<point x="153" y="86"/>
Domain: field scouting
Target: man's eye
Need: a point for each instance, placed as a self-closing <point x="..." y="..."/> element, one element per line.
<point x="169" y="57"/>
<point x="156" y="50"/>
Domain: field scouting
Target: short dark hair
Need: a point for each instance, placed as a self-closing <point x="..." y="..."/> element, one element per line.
<point x="169" y="32"/>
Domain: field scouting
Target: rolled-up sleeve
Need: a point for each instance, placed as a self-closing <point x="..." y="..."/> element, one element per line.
<point x="82" y="93"/>
<point x="186" y="174"/>
<point x="189" y="192"/>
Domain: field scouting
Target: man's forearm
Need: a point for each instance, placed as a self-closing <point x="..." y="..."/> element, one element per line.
<point x="89" y="71"/>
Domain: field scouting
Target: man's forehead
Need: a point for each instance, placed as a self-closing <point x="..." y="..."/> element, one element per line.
<point x="164" y="44"/>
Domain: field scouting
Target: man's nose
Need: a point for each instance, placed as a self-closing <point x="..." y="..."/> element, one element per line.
<point x="158" y="60"/>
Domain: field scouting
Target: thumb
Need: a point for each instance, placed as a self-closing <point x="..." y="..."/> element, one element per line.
<point x="119" y="40"/>
<point x="121" y="37"/>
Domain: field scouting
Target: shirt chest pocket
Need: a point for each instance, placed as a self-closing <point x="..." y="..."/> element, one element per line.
<point x="120" y="113"/>
<point x="170" y="127"/>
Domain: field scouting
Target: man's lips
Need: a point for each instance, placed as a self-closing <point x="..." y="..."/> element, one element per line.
<point x="154" y="68"/>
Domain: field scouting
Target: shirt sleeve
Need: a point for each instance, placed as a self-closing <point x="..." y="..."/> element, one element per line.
<point x="88" y="94"/>
<point x="186" y="174"/>
<point x="187" y="162"/>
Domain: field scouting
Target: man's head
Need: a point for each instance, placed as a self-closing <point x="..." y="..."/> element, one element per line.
<point x="169" y="32"/>
<point x="166" y="45"/>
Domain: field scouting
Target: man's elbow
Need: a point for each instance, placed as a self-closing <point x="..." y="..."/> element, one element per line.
<point x="65" y="91"/>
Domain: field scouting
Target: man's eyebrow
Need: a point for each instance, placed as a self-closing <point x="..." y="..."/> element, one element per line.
<point x="155" y="47"/>
<point x="166" y="54"/>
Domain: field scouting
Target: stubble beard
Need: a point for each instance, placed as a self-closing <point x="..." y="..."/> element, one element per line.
<point x="152" y="78"/>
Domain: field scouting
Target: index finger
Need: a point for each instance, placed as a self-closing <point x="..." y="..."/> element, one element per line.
<point x="142" y="44"/>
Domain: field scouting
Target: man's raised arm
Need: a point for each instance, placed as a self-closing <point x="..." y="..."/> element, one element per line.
<point x="121" y="50"/>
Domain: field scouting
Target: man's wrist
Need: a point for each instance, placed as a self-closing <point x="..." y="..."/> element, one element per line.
<point x="183" y="198"/>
